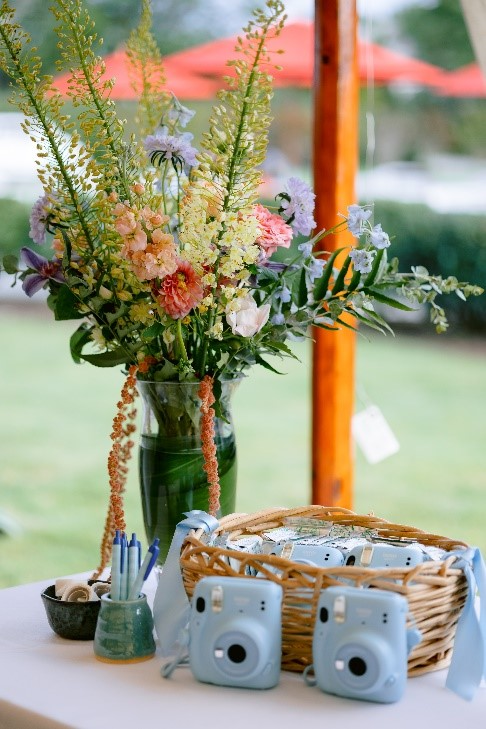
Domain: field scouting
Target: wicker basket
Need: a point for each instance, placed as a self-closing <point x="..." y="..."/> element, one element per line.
<point x="436" y="592"/>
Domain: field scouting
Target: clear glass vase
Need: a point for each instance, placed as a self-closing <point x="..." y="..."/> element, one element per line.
<point x="171" y="474"/>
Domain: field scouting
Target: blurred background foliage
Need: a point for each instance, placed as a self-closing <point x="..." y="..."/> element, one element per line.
<point x="429" y="389"/>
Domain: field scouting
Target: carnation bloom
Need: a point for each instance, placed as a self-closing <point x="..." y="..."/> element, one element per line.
<point x="181" y="291"/>
<point x="249" y="319"/>
<point x="274" y="232"/>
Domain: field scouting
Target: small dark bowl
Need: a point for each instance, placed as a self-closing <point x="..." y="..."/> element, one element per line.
<point x="73" y="620"/>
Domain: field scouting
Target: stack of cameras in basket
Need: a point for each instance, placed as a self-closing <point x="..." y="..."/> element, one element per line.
<point x="361" y="641"/>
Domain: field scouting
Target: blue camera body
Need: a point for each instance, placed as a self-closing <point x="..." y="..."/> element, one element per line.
<point x="315" y="555"/>
<point x="235" y="632"/>
<point x="361" y="643"/>
<point x="384" y="555"/>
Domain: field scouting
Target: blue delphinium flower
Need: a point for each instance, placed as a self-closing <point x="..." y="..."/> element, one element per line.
<point x="357" y="217"/>
<point x="297" y="205"/>
<point x="362" y="259"/>
<point x="379" y="238"/>
<point x="44" y="270"/>
<point x="39" y="219"/>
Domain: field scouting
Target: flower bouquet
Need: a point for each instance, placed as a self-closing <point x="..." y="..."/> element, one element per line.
<point x="163" y="251"/>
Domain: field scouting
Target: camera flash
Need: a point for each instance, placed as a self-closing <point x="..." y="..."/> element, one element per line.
<point x="217" y="599"/>
<point x="340" y="609"/>
<point x="287" y="550"/>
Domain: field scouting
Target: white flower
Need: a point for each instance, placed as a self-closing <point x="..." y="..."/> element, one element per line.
<point x="379" y="238"/>
<point x="357" y="217"/>
<point x="362" y="260"/>
<point x="249" y="319"/>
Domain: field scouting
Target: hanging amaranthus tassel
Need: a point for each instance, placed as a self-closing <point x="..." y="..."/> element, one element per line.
<point x="120" y="454"/>
<point x="207" y="398"/>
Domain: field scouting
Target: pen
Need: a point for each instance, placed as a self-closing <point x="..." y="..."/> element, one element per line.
<point x="145" y="569"/>
<point x="133" y="561"/>
<point x="115" y="567"/>
<point x="124" y="568"/>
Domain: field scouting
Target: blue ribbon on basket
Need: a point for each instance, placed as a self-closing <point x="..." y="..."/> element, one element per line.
<point x="171" y="604"/>
<point x="468" y="664"/>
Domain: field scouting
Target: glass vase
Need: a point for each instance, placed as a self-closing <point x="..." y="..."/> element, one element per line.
<point x="171" y="474"/>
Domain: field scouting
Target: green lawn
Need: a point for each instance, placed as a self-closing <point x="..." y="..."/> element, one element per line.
<point x="56" y="420"/>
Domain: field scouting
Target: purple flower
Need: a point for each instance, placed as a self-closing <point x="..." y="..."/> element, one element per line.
<point x="362" y="260"/>
<point x="39" y="219"/>
<point x="44" y="268"/>
<point x="379" y="238"/>
<point x="163" y="146"/>
<point x="357" y="216"/>
<point x="297" y="204"/>
<point x="314" y="270"/>
<point x="305" y="249"/>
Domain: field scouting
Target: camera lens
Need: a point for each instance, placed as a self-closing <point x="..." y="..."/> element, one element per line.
<point x="351" y="559"/>
<point x="357" y="666"/>
<point x="236" y="653"/>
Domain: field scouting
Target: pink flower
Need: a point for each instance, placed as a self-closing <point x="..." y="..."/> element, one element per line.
<point x="181" y="291"/>
<point x="249" y="319"/>
<point x="274" y="232"/>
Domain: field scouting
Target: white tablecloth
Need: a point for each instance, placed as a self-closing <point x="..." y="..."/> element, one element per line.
<point x="46" y="681"/>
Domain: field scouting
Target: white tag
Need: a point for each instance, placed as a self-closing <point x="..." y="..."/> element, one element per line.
<point x="373" y="435"/>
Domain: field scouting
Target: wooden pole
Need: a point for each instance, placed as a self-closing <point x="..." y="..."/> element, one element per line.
<point x="335" y="162"/>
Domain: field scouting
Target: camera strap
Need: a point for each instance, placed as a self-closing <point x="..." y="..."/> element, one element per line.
<point x="468" y="664"/>
<point x="171" y="604"/>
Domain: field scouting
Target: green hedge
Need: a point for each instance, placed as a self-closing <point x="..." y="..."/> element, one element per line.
<point x="447" y="244"/>
<point x="14" y="226"/>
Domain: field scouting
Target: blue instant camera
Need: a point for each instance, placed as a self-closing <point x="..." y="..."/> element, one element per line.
<point x="315" y="555"/>
<point x="235" y="632"/>
<point x="361" y="643"/>
<point x="384" y="555"/>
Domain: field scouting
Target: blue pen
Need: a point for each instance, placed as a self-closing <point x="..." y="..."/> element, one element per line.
<point x="145" y="570"/>
<point x="139" y="545"/>
<point x="124" y="567"/>
<point x="115" y="566"/>
<point x="133" y="562"/>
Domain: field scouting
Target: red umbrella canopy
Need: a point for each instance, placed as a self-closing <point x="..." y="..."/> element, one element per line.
<point x="376" y="63"/>
<point x="181" y="81"/>
<point x="465" y="81"/>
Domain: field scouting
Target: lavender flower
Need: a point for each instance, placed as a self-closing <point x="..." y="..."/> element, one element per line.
<point x="284" y="294"/>
<point x="44" y="268"/>
<point x="278" y="319"/>
<point x="164" y="146"/>
<point x="306" y="249"/>
<point x="39" y="220"/>
<point x="379" y="238"/>
<point x="179" y="114"/>
<point x="297" y="204"/>
<point x="357" y="216"/>
<point x="362" y="260"/>
<point x="314" y="270"/>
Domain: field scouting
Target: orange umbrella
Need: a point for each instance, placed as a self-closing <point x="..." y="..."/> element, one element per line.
<point x="181" y="81"/>
<point x="465" y="81"/>
<point x="381" y="65"/>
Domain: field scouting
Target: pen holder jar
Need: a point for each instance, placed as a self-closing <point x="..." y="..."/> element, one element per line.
<point x="124" y="631"/>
